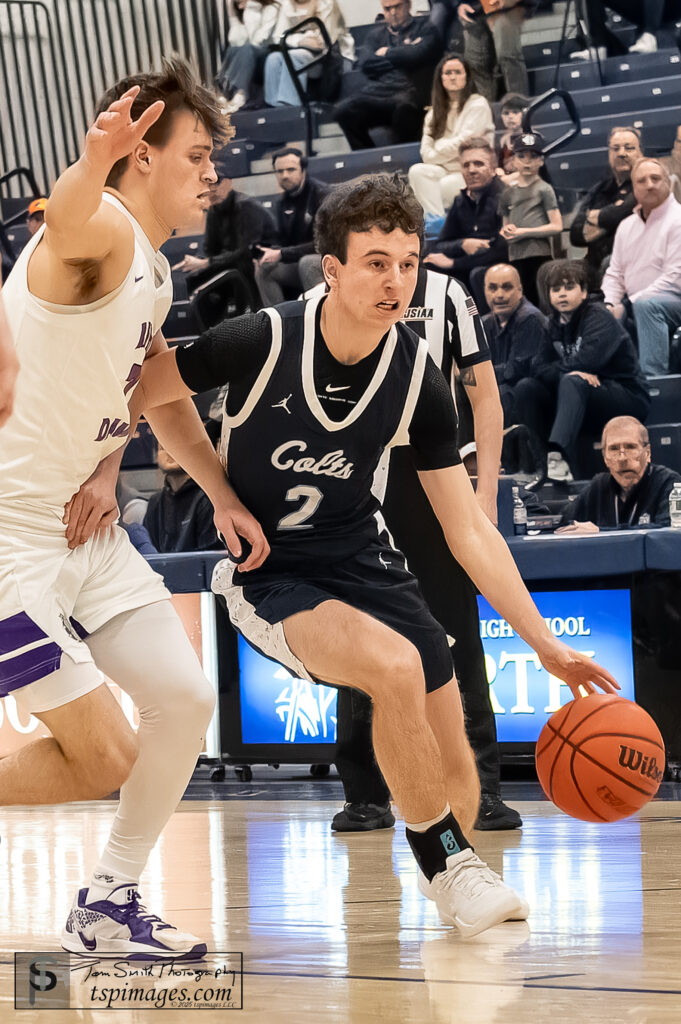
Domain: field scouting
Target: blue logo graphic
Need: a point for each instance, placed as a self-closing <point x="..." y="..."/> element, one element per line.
<point x="278" y="708"/>
<point x="449" y="842"/>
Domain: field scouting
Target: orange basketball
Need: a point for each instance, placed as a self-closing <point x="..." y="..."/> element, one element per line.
<point x="600" y="758"/>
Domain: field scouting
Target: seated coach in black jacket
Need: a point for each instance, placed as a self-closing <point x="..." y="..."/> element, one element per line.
<point x="633" y="492"/>
<point x="586" y="372"/>
<point x="397" y="59"/>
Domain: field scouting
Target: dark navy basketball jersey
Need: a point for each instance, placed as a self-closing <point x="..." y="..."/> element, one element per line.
<point x="307" y="478"/>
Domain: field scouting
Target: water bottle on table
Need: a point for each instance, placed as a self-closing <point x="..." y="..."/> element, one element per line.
<point x="675" y="507"/>
<point x="520" y="514"/>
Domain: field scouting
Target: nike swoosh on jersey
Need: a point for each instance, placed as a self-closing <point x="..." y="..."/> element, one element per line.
<point x="330" y="389"/>
<point x="139" y="278"/>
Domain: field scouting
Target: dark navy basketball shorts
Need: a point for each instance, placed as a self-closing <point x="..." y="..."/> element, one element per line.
<point x="375" y="581"/>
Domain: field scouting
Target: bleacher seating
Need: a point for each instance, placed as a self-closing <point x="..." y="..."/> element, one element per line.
<point x="665" y="393"/>
<point x="665" y="445"/>
<point x="632" y="68"/>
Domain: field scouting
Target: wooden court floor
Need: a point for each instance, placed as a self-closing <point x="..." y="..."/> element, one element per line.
<point x="334" y="931"/>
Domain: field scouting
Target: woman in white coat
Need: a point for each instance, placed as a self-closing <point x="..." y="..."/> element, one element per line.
<point x="252" y="25"/>
<point x="456" y="113"/>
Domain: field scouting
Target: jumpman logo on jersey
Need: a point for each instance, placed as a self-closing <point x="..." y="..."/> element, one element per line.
<point x="383" y="561"/>
<point x="283" y="404"/>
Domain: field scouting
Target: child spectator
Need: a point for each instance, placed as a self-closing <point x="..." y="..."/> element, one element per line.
<point x="457" y="112"/>
<point x="531" y="214"/>
<point x="513" y="106"/>
<point x="586" y="372"/>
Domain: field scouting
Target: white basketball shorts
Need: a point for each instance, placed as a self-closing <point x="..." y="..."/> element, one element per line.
<point x="52" y="597"/>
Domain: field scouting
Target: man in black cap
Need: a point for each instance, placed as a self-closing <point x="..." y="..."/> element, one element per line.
<point x="531" y="214"/>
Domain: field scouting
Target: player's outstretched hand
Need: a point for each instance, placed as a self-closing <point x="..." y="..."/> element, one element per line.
<point x="114" y="134"/>
<point x="91" y="509"/>
<point x="236" y="522"/>
<point x="577" y="669"/>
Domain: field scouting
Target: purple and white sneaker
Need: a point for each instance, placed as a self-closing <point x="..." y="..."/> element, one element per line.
<point x="120" y="926"/>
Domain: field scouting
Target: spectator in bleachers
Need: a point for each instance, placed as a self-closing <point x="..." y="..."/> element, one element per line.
<point x="531" y="215"/>
<point x="586" y="372"/>
<point x="397" y="58"/>
<point x="292" y="264"/>
<point x="644" y="276"/>
<point x="280" y="90"/>
<point x="647" y="15"/>
<point x="179" y="517"/>
<point x="235" y="224"/>
<point x="607" y="204"/>
<point x="493" y="42"/>
<point x="513" y="106"/>
<point x="35" y="217"/>
<point x="469" y="241"/>
<point x="633" y="491"/>
<point x="252" y="25"/>
<point x="515" y="329"/>
<point x="456" y="113"/>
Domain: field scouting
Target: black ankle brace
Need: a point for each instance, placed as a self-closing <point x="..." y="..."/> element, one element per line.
<point x="432" y="848"/>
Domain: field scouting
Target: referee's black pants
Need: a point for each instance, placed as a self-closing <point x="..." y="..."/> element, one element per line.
<point x="451" y="596"/>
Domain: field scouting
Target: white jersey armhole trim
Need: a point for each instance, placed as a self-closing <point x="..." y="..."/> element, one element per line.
<point x="309" y="391"/>
<point x="401" y="435"/>
<point x="263" y="377"/>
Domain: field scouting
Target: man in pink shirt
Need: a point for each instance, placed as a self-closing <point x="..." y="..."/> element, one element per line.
<point x="645" y="269"/>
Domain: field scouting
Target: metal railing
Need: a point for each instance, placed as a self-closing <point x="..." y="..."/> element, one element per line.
<point x="316" y="59"/>
<point x="58" y="56"/>
<point x="571" y="110"/>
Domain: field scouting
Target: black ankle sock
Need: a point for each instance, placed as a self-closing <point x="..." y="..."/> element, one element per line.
<point x="431" y="848"/>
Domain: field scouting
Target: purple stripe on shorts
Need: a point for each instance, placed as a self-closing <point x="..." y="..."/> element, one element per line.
<point x="28" y="667"/>
<point x="80" y="630"/>
<point x="19" y="631"/>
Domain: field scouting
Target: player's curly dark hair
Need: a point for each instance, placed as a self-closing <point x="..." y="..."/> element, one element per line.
<point x="178" y="87"/>
<point x="383" y="201"/>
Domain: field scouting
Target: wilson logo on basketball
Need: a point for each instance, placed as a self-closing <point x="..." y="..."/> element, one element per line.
<point x="635" y="761"/>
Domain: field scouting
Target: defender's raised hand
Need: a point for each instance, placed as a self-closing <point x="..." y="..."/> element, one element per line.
<point x="114" y="134"/>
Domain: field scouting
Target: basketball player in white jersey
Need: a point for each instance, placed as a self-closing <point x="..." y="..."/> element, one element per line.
<point x="85" y="303"/>
<point x="317" y="392"/>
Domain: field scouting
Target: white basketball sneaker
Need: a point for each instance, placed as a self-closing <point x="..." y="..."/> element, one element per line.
<point x="121" y="926"/>
<point x="471" y="896"/>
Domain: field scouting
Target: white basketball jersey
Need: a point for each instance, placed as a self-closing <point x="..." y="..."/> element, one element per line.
<point x="78" y="368"/>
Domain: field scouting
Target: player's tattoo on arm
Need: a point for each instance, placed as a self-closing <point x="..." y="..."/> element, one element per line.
<point x="468" y="378"/>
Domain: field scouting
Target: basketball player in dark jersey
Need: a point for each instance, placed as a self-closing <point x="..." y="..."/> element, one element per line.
<point x="317" y="392"/>
<point x="442" y="311"/>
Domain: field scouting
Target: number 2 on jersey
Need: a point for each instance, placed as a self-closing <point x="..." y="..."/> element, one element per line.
<point x="297" y="520"/>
